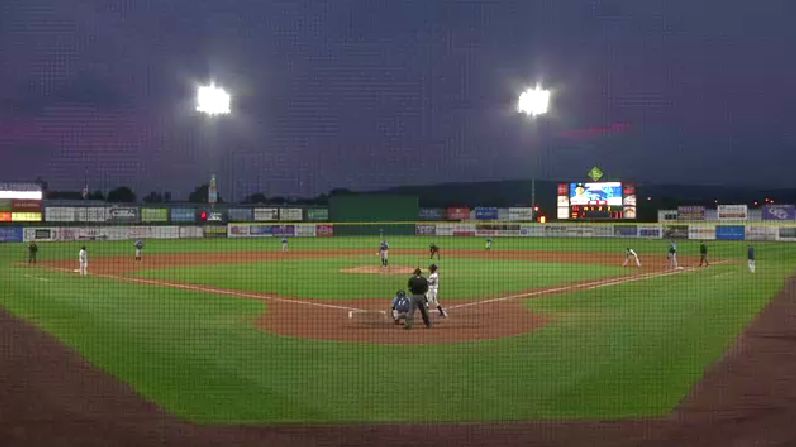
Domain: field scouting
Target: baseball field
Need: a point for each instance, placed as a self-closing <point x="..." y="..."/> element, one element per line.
<point x="237" y="332"/>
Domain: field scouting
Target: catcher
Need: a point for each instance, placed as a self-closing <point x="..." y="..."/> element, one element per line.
<point x="400" y="307"/>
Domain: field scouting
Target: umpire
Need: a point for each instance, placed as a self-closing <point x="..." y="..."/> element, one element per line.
<point x="418" y="286"/>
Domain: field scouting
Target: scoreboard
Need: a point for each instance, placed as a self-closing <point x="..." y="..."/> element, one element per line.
<point x="596" y="201"/>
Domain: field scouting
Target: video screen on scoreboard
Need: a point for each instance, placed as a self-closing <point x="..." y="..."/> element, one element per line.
<point x="596" y="193"/>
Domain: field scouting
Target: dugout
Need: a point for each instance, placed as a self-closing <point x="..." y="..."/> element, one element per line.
<point x="360" y="213"/>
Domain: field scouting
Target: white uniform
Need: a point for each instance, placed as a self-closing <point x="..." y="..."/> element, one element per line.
<point x="433" y="289"/>
<point x="83" y="259"/>
<point x="631" y="254"/>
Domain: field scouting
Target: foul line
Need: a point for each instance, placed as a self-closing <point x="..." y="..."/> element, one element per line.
<point x="580" y="286"/>
<point x="216" y="291"/>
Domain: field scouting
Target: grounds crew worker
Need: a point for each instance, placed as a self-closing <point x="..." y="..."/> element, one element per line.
<point x="418" y="286"/>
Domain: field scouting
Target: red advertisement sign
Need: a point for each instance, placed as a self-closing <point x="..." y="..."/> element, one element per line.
<point x="26" y="205"/>
<point x="5" y="216"/>
<point x="563" y="189"/>
<point x="324" y="230"/>
<point x="458" y="213"/>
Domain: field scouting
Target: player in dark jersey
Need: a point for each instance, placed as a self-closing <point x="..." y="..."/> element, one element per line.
<point x="434" y="250"/>
<point x="703" y="254"/>
<point x="418" y="286"/>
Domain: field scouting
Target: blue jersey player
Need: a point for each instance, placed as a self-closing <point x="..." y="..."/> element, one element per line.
<point x="400" y="307"/>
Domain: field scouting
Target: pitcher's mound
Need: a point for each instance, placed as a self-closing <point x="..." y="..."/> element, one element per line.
<point x="377" y="269"/>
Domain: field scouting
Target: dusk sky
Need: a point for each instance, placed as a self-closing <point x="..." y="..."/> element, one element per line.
<point x="376" y="93"/>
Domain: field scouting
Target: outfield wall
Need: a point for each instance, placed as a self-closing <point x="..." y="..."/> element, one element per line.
<point x="701" y="231"/>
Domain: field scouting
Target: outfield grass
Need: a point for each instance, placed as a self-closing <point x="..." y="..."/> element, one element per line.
<point x="632" y="350"/>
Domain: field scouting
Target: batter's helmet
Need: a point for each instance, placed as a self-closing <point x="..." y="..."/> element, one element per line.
<point x="432" y="268"/>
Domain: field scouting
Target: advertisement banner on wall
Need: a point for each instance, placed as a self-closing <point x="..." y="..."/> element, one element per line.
<point x="675" y="231"/>
<point x="486" y="213"/>
<point x="305" y="230"/>
<point x="25" y="216"/>
<point x="215" y="231"/>
<point x="787" y="233"/>
<point x="59" y="214"/>
<point x="324" y="230"/>
<point x="690" y="213"/>
<point x="26" y="205"/>
<point x="732" y="212"/>
<point x="183" y="215"/>
<point x="779" y="212"/>
<point x="625" y="230"/>
<point x="123" y="214"/>
<point x="5" y="216"/>
<point x="458" y="213"/>
<point x="91" y="214"/>
<point x="291" y="214"/>
<point x="266" y="214"/>
<point x="649" y="231"/>
<point x="283" y="230"/>
<point x="701" y="232"/>
<point x="260" y="230"/>
<point x="317" y="214"/>
<point x="238" y="230"/>
<point x="239" y="214"/>
<point x="154" y="214"/>
<point x="761" y="233"/>
<point x="731" y="232"/>
<point x="11" y="234"/>
<point x="431" y="214"/>
<point x="426" y="229"/>
<point x="520" y="213"/>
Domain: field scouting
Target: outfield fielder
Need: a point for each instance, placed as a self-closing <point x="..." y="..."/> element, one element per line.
<point x="139" y="249"/>
<point x="384" y="253"/>
<point x="750" y="258"/>
<point x="631" y="254"/>
<point x="672" y="255"/>
<point x="82" y="258"/>
<point x="433" y="291"/>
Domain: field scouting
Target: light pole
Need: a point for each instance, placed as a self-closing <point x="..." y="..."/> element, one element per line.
<point x="534" y="102"/>
<point x="213" y="101"/>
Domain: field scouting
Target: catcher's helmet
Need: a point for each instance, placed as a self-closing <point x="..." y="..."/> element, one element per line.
<point x="432" y="268"/>
<point x="400" y="293"/>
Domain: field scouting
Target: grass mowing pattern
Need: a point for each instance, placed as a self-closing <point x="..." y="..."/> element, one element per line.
<point x="633" y="350"/>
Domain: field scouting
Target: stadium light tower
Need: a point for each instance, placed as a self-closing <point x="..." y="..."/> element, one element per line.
<point x="212" y="100"/>
<point x="534" y="102"/>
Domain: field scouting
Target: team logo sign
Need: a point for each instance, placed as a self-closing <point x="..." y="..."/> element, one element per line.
<point x="595" y="174"/>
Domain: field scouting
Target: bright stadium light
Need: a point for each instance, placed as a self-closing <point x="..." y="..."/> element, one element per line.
<point x="534" y="102"/>
<point x="212" y="100"/>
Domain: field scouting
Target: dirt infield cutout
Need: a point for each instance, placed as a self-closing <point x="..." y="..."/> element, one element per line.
<point x="368" y="320"/>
